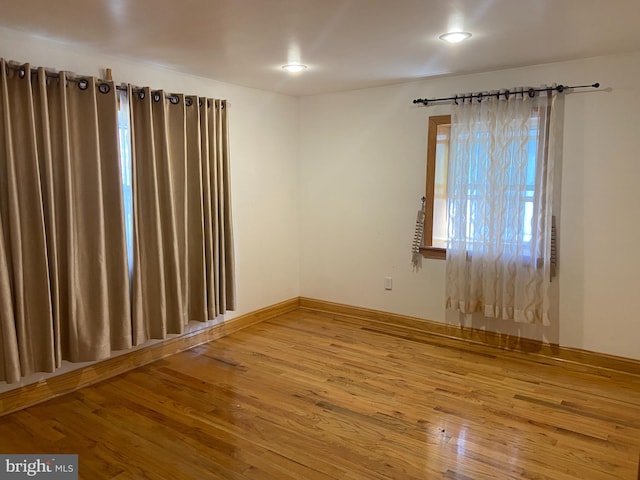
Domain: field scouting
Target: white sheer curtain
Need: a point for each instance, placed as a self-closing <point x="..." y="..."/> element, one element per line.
<point x="500" y="198"/>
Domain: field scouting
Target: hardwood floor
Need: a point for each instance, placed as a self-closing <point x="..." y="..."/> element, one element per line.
<point x="317" y="396"/>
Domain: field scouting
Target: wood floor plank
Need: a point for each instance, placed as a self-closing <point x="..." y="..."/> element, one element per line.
<point x="308" y="395"/>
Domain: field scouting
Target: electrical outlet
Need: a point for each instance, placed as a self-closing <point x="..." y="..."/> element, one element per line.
<point x="388" y="283"/>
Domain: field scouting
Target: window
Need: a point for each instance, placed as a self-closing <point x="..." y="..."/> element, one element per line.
<point x="124" y="144"/>
<point x="435" y="222"/>
<point x="438" y="144"/>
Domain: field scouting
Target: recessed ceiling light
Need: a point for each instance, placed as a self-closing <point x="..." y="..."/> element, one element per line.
<point x="454" y="37"/>
<point x="294" y="67"/>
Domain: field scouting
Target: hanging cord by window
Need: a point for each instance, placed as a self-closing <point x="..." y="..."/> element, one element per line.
<point x="531" y="92"/>
<point x="418" y="237"/>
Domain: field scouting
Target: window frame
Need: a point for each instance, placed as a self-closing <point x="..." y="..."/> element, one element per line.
<point x="427" y="249"/>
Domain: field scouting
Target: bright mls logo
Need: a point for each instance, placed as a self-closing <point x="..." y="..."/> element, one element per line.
<point x="52" y="467"/>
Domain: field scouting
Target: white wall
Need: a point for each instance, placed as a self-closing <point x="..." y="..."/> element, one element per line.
<point x="264" y="151"/>
<point x="362" y="173"/>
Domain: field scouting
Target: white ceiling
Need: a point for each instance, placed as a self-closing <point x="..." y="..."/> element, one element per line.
<point x="347" y="44"/>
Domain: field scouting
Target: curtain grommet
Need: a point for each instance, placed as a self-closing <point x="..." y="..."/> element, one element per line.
<point x="104" y="88"/>
<point x="83" y="84"/>
<point x="174" y="99"/>
<point x="188" y="101"/>
<point x="141" y="94"/>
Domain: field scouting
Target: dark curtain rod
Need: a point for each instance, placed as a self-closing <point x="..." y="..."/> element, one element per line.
<point x="71" y="77"/>
<point x="531" y="92"/>
<point x="103" y="85"/>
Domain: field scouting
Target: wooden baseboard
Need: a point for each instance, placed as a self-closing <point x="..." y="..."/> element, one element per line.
<point x="31" y="394"/>
<point x="509" y="342"/>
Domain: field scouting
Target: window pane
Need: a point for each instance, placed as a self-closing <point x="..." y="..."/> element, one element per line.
<point x="124" y="138"/>
<point x="519" y="183"/>
<point x="440" y="187"/>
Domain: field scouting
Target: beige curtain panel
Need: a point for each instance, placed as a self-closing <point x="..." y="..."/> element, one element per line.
<point x="65" y="291"/>
<point x="63" y="265"/>
<point x="183" y="240"/>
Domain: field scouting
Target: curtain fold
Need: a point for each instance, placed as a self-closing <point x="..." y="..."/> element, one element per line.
<point x="62" y="253"/>
<point x="198" y="215"/>
<point x="89" y="220"/>
<point x="221" y="256"/>
<point x="183" y="241"/>
<point x="227" y="266"/>
<point x="22" y="215"/>
<point x="9" y="354"/>
<point x="158" y="301"/>
<point x="500" y="197"/>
